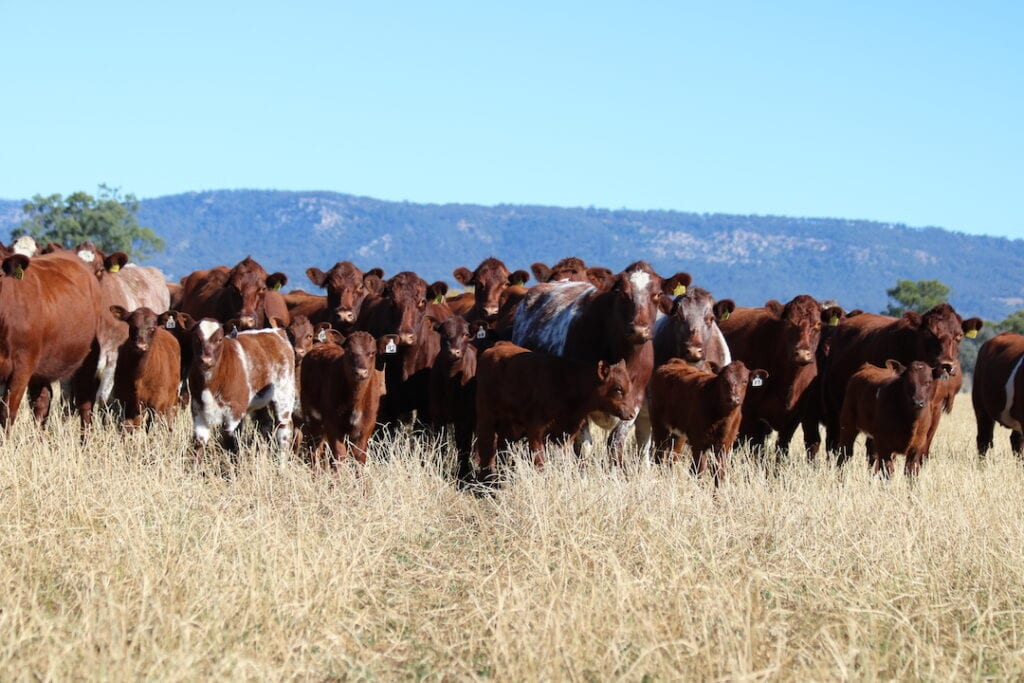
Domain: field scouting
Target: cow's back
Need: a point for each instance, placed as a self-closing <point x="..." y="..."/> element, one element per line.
<point x="998" y="381"/>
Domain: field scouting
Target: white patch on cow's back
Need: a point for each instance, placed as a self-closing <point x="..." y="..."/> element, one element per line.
<point x="1006" y="419"/>
<point x="207" y="328"/>
<point x="87" y="256"/>
<point x="544" y="317"/>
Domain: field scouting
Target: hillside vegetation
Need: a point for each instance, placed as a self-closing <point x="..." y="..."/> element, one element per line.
<point x="747" y="258"/>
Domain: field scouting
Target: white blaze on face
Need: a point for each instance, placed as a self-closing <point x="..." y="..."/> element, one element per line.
<point x="640" y="280"/>
<point x="207" y="328"/>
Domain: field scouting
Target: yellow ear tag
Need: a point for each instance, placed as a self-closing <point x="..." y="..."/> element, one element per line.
<point x="113" y="268"/>
<point x="438" y="299"/>
<point x="971" y="334"/>
<point x="19" y="272"/>
<point x="679" y="290"/>
<point x="725" y="316"/>
<point x="833" y="321"/>
<point x="276" y="287"/>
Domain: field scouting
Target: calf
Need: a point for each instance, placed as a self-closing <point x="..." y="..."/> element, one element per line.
<point x="998" y="390"/>
<point x="893" y="406"/>
<point x="341" y="390"/>
<point x="148" y="368"/>
<point x="703" y="407"/>
<point x="234" y="375"/>
<point x="524" y="393"/>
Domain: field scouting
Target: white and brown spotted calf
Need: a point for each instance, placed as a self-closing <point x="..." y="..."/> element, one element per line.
<point x="232" y="376"/>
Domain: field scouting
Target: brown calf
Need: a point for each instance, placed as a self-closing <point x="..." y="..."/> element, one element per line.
<point x="702" y="407"/>
<point x="893" y="406"/>
<point x="524" y="393"/>
<point x="148" y="368"/>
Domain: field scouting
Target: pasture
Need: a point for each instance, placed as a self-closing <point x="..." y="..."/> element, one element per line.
<point x="119" y="560"/>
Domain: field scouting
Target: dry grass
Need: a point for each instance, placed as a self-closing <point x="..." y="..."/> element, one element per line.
<point x="118" y="561"/>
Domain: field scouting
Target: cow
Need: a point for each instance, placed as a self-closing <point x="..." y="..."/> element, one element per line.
<point x="488" y="281"/>
<point x="540" y="396"/>
<point x="147" y="376"/>
<point x="179" y="325"/>
<point x="342" y="386"/>
<point x="998" y="391"/>
<point x="701" y="407"/>
<point x="50" y="319"/>
<point x="781" y="339"/>
<point x="224" y="294"/>
<point x="347" y="287"/>
<point x="453" y="385"/>
<point x="933" y="337"/>
<point x="399" y="309"/>
<point x="579" y="321"/>
<point x="893" y="406"/>
<point x="233" y="375"/>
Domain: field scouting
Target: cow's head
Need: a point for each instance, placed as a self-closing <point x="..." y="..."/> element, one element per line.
<point x="939" y="333"/>
<point x="614" y="390"/>
<point x="488" y="281"/>
<point x="635" y="296"/>
<point x="918" y="381"/>
<point x="207" y="337"/>
<point x="364" y="355"/>
<point x="301" y="334"/>
<point x="247" y="285"/>
<point x="457" y="336"/>
<point x="801" y="327"/>
<point x="694" y="317"/>
<point x="346" y="287"/>
<point x="142" y="324"/>
<point x="407" y="295"/>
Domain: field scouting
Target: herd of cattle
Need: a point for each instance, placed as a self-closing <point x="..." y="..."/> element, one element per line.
<point x="627" y="351"/>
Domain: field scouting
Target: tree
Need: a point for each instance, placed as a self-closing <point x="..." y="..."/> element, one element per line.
<point x="107" y="220"/>
<point x="916" y="296"/>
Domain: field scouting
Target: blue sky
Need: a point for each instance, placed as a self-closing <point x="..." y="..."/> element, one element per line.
<point x="907" y="112"/>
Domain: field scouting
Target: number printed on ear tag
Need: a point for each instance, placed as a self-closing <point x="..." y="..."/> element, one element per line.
<point x="391" y="346"/>
<point x="170" y="324"/>
<point x="756" y="382"/>
<point x="481" y="333"/>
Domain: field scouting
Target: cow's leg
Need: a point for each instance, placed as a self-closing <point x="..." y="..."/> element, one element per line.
<point x="869" y="449"/>
<point x="617" y="440"/>
<point x="487" y="447"/>
<point x="700" y="462"/>
<point x="718" y="471"/>
<point x="40" y="396"/>
<point x="1017" y="442"/>
<point x="661" y="442"/>
<point x="844" y="447"/>
<point x="15" y="391"/>
<point x="339" y="452"/>
<point x="644" y="431"/>
<point x="912" y="465"/>
<point x="283" y="413"/>
<point x="536" y="441"/>
<point x="464" y="449"/>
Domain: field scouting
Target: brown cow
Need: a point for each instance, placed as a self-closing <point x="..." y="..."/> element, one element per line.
<point x="782" y="340"/>
<point x="148" y="368"/>
<point x="572" y="269"/>
<point x="998" y="390"/>
<point x="488" y="281"/>
<point x="49" y="317"/>
<point x="232" y="376"/>
<point x="580" y="321"/>
<point x="224" y="294"/>
<point x="347" y="288"/>
<point x="893" y="406"/>
<point x="341" y="390"/>
<point x="933" y="338"/>
<point x="702" y="407"/>
<point x="524" y="393"/>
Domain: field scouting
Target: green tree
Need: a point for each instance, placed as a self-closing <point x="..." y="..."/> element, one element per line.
<point x="917" y="296"/>
<point x="108" y="220"/>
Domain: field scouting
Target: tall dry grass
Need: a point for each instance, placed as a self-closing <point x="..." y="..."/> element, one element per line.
<point x="120" y="561"/>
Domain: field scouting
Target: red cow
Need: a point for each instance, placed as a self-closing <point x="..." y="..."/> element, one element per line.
<point x="893" y="406"/>
<point x="49" y="321"/>
<point x="703" y="407"/>
<point x="580" y="321"/>
<point x="341" y="390"/>
<point x="347" y="287"/>
<point x="782" y="340"/>
<point x="488" y="281"/>
<point x="572" y="269"/>
<point x="232" y="376"/>
<point x="998" y="390"/>
<point x="148" y="368"/>
<point x="224" y="294"/>
<point x="933" y="338"/>
<point x="524" y="393"/>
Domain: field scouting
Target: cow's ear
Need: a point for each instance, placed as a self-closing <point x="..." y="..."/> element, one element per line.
<point x="387" y="344"/>
<point x="464" y="275"/>
<point x="120" y="312"/>
<point x="231" y="328"/>
<point x="373" y="283"/>
<point x="436" y="292"/>
<point x="666" y="304"/>
<point x="320" y="332"/>
<point x="913" y="318"/>
<point x="856" y="311"/>
<point x="374" y="272"/>
<point x="757" y="377"/>
<point x="15" y="265"/>
<point x="435" y="323"/>
<point x="600" y="277"/>
<point x="478" y="329"/>
<point x="52" y="247"/>
<point x="713" y="367"/>
<point x="723" y="309"/>
<point x="971" y="327"/>
<point x="677" y="284"/>
<point x="276" y="281"/>
<point x="541" y="272"/>
<point x="774" y="307"/>
<point x="831" y="315"/>
<point x="115" y="262"/>
<point x="186" y="321"/>
<point x="277" y="324"/>
<point x="895" y="366"/>
<point x="519" y="278"/>
<point x="603" y="370"/>
<point x="316" y="276"/>
<point x="942" y="371"/>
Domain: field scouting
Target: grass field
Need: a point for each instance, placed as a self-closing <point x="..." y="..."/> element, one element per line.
<point x="120" y="561"/>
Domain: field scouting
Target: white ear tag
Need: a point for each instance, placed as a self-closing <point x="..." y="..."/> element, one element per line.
<point x="321" y="335"/>
<point x="170" y="324"/>
<point x="756" y="382"/>
<point x="481" y="333"/>
<point x="391" y="346"/>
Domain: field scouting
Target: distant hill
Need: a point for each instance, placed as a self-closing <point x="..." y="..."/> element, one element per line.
<point x="747" y="258"/>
